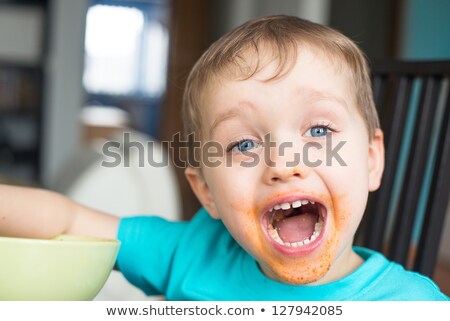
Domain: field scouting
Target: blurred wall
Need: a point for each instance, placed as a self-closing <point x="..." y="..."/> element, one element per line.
<point x="426" y="29"/>
<point x="372" y="24"/>
<point x="231" y="13"/>
<point x="64" y="94"/>
<point x="23" y="45"/>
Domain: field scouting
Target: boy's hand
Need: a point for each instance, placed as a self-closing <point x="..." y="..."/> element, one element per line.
<point x="37" y="213"/>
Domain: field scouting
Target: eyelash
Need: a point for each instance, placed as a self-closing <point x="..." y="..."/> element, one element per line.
<point x="324" y="124"/>
<point x="235" y="144"/>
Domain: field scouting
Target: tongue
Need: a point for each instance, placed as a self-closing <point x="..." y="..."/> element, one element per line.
<point x="296" y="228"/>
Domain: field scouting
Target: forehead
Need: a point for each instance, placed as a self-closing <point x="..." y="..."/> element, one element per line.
<point x="267" y="64"/>
<point x="313" y="75"/>
<point x="270" y="61"/>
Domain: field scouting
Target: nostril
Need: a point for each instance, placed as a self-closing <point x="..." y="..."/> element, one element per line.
<point x="279" y="178"/>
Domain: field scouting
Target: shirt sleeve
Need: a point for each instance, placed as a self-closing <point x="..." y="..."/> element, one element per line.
<point x="147" y="248"/>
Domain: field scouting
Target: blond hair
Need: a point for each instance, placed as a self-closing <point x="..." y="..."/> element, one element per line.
<point x="240" y="53"/>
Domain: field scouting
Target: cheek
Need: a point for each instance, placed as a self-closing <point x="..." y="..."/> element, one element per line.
<point x="233" y="187"/>
<point x="348" y="187"/>
<point x="350" y="194"/>
<point x="347" y="216"/>
<point x="350" y="180"/>
<point x="236" y="209"/>
<point x="242" y="221"/>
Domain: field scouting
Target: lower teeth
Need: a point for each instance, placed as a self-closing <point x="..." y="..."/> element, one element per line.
<point x="317" y="229"/>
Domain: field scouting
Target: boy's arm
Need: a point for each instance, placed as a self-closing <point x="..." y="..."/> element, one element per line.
<point x="37" y="213"/>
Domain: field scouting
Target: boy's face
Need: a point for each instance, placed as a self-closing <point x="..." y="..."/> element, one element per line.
<point x="294" y="200"/>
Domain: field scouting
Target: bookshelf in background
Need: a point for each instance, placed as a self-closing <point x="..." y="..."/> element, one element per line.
<point x="23" y="29"/>
<point x="20" y="121"/>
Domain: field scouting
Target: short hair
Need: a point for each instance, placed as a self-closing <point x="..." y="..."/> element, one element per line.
<point x="239" y="53"/>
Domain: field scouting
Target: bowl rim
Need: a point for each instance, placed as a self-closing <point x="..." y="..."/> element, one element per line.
<point x="62" y="239"/>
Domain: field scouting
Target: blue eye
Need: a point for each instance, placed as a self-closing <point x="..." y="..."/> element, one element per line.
<point x="319" y="131"/>
<point x="244" y="146"/>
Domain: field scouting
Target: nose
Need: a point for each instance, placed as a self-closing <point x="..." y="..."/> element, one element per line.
<point x="283" y="163"/>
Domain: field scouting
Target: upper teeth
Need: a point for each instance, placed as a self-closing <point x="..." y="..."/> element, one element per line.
<point x="294" y="204"/>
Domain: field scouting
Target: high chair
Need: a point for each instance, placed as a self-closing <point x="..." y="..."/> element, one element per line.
<point x="406" y="216"/>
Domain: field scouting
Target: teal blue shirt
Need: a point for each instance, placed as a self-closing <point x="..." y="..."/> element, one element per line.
<point x="199" y="260"/>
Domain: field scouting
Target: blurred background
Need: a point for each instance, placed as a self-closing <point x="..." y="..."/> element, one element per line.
<point x="74" y="73"/>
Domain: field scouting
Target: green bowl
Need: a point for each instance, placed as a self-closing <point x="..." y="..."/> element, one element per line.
<point x="64" y="268"/>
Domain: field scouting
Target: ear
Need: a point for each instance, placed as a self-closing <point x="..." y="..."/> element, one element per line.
<point x="376" y="160"/>
<point x="201" y="190"/>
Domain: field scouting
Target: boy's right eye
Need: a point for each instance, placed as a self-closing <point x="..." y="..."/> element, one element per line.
<point x="319" y="131"/>
<point x="243" y="146"/>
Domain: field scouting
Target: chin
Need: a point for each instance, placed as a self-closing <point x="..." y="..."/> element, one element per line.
<point x="301" y="270"/>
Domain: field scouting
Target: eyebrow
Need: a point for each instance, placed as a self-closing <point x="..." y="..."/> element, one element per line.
<point x="316" y="95"/>
<point x="231" y="113"/>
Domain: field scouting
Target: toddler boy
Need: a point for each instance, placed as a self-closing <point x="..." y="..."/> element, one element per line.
<point x="274" y="97"/>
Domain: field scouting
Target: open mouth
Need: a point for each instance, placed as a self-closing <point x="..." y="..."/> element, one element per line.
<point x="297" y="224"/>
